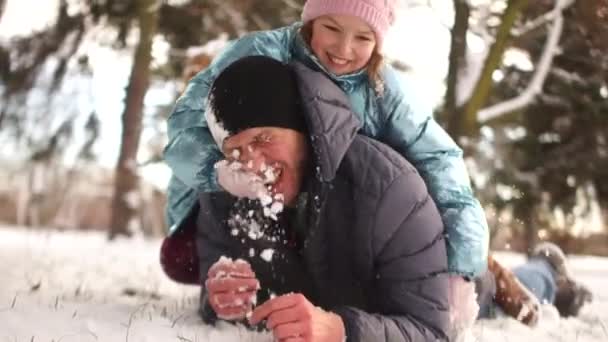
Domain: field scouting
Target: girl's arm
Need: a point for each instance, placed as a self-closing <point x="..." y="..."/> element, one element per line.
<point x="411" y="130"/>
<point x="191" y="151"/>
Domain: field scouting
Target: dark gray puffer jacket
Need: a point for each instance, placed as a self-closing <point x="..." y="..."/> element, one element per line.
<point x="373" y="249"/>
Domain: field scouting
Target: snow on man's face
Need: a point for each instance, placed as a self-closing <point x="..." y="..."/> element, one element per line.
<point x="277" y="155"/>
<point x="343" y="43"/>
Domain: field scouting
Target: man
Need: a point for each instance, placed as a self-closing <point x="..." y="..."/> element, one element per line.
<point x="543" y="278"/>
<point x="343" y="240"/>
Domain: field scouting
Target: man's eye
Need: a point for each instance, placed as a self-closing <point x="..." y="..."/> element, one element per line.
<point x="364" y="38"/>
<point x="262" y="139"/>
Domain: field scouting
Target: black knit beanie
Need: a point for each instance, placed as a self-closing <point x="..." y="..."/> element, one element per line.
<point x="254" y="91"/>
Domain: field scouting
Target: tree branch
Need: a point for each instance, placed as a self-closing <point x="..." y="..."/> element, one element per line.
<point x="542" y="20"/>
<point x="293" y="4"/>
<point x="536" y="84"/>
<point x="469" y="125"/>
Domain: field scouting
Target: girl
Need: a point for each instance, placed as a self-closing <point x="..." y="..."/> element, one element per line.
<point x="342" y="38"/>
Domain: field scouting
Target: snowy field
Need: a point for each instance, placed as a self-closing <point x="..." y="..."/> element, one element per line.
<point x="77" y="287"/>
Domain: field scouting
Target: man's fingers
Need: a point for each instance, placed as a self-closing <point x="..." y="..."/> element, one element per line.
<point x="293" y="339"/>
<point x="223" y="300"/>
<point x="291" y="330"/>
<point x="228" y="268"/>
<point x="232" y="313"/>
<point x="289" y="315"/>
<point x="232" y="306"/>
<point x="278" y="303"/>
<point x="236" y="285"/>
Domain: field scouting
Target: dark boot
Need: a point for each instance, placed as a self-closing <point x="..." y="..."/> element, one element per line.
<point x="555" y="257"/>
<point x="571" y="297"/>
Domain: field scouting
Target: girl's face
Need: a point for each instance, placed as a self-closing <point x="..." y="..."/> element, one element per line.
<point x="343" y="43"/>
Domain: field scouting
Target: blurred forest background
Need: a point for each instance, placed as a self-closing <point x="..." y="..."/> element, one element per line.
<point x="87" y="86"/>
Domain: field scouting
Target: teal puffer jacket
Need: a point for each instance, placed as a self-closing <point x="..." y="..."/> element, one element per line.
<point x="396" y="117"/>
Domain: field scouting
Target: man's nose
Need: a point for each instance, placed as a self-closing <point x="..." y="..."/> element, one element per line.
<point x="253" y="159"/>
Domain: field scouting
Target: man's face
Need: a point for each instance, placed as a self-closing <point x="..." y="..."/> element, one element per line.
<point x="272" y="152"/>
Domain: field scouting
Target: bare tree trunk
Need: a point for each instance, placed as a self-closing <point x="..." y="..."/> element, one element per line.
<point x="126" y="179"/>
<point x="24" y="197"/>
<point x="468" y="126"/>
<point x="451" y="115"/>
<point x="2" y="116"/>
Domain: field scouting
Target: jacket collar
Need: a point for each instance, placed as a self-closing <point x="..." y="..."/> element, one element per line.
<point x="331" y="123"/>
<point x="303" y="53"/>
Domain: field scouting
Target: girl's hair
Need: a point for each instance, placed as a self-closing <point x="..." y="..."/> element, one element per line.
<point x="374" y="65"/>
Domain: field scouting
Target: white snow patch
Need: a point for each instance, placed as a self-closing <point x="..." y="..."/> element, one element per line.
<point x="235" y="165"/>
<point x="255" y="230"/>
<point x="69" y="286"/>
<point x="266" y="200"/>
<point x="267" y="254"/>
<point x="604" y="91"/>
<point x="276" y="207"/>
<point x="589" y="326"/>
<point x="236" y="154"/>
<point x="133" y="199"/>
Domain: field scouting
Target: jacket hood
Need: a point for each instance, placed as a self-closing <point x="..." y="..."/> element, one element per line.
<point x="331" y="123"/>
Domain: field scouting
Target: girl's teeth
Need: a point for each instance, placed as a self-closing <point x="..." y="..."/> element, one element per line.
<point x="339" y="61"/>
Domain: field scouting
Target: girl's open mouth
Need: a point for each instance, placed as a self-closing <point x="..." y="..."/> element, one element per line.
<point x="337" y="60"/>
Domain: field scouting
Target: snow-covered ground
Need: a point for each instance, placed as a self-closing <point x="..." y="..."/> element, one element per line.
<point x="78" y="287"/>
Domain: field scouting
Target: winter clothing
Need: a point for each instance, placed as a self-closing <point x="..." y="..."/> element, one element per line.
<point x="538" y="276"/>
<point x="379" y="14"/>
<point x="364" y="241"/>
<point x="178" y="256"/>
<point x="570" y="297"/>
<point x="542" y="279"/>
<point x="554" y="256"/>
<point x="396" y="118"/>
<point x="485" y="287"/>
<point x="555" y="283"/>
<point x="236" y="106"/>
<point x="500" y="288"/>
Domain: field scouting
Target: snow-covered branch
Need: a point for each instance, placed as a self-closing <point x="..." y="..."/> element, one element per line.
<point x="292" y="4"/>
<point x="542" y="20"/>
<point x="544" y="65"/>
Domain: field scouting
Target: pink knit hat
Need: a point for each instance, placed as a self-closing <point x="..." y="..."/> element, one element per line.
<point x="379" y="14"/>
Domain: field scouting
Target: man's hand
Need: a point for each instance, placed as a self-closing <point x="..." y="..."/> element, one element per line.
<point x="238" y="181"/>
<point x="293" y="318"/>
<point x="231" y="288"/>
